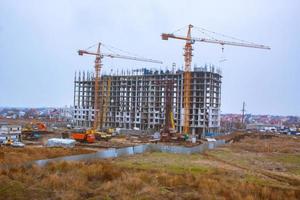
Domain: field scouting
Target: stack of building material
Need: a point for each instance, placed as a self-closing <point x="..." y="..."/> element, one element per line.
<point x="58" y="142"/>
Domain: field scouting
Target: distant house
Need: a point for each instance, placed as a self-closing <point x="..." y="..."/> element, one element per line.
<point x="262" y="127"/>
<point x="10" y="131"/>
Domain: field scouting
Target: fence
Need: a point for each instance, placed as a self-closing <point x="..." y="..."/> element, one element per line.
<point x="112" y="153"/>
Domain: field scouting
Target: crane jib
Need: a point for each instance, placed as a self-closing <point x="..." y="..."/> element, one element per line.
<point x="192" y="40"/>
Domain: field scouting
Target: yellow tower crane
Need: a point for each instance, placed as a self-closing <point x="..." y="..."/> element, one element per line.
<point x="188" y="60"/>
<point x="98" y="64"/>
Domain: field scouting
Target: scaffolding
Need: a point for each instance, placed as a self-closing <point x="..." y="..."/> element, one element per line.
<point x="135" y="100"/>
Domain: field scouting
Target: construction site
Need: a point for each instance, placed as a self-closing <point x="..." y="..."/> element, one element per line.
<point x="175" y="103"/>
<point x="147" y="134"/>
<point x="145" y="100"/>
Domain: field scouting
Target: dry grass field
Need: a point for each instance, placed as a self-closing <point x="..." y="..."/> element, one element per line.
<point x="10" y="155"/>
<point x="253" y="167"/>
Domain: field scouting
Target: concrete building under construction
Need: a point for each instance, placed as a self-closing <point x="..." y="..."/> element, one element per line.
<point x="137" y="99"/>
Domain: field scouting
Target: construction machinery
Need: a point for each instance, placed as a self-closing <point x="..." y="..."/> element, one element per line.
<point x="33" y="130"/>
<point x="168" y="130"/>
<point x="40" y="126"/>
<point x="105" y="134"/>
<point x="90" y="135"/>
<point x="188" y="60"/>
<point x="98" y="65"/>
<point x="82" y="135"/>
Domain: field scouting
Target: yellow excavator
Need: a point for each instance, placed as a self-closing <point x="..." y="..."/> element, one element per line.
<point x="104" y="135"/>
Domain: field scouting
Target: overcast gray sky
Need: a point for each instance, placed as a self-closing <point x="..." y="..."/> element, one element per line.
<point x="39" y="40"/>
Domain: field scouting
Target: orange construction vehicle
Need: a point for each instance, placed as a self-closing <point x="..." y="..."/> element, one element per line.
<point x="82" y="135"/>
<point x="41" y="126"/>
<point x="34" y="130"/>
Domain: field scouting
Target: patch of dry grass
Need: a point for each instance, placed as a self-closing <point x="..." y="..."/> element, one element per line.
<point x="175" y="163"/>
<point x="10" y="155"/>
<point x="268" y="144"/>
<point x="105" y="180"/>
<point x="252" y="168"/>
<point x="274" y="157"/>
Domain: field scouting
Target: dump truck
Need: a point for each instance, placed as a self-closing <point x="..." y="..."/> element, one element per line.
<point x="82" y="135"/>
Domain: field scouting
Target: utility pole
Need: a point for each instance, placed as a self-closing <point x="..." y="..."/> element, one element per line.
<point x="243" y="113"/>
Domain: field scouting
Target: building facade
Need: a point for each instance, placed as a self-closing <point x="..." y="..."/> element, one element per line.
<point x="10" y="132"/>
<point x="138" y="99"/>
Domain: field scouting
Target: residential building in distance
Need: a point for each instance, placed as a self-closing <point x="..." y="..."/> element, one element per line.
<point x="10" y="131"/>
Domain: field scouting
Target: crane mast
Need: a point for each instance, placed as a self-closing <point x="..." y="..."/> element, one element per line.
<point x="98" y="66"/>
<point x="97" y="80"/>
<point x="187" y="79"/>
<point x="187" y="63"/>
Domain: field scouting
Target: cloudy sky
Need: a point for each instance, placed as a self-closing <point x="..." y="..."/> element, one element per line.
<point x="39" y="40"/>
